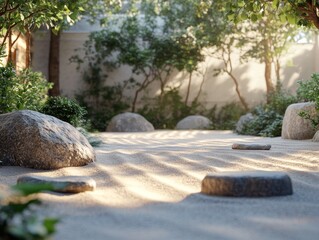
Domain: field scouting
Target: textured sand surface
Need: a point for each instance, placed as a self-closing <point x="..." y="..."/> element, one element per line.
<point x="148" y="187"/>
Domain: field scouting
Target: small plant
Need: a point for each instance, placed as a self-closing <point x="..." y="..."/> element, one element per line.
<point x="267" y="121"/>
<point x="18" y="220"/>
<point x="26" y="90"/>
<point x="308" y="91"/>
<point x="65" y="109"/>
<point x="226" y="117"/>
<point x="279" y="100"/>
<point x="165" y="111"/>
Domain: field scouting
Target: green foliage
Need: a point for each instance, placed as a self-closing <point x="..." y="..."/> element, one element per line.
<point x="150" y="48"/>
<point x="22" y="16"/>
<point x="268" y="118"/>
<point x="279" y="100"/>
<point x="26" y="90"/>
<point x="292" y="11"/>
<point x="165" y="111"/>
<point x="309" y="91"/>
<point x="267" y="123"/>
<point x="101" y="102"/>
<point x="65" y="109"/>
<point x="18" y="219"/>
<point x="226" y="117"/>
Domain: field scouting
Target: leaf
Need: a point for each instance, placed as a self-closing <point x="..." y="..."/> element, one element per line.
<point x="275" y="3"/>
<point x="49" y="224"/>
<point x="254" y="17"/>
<point x="20" y="207"/>
<point x="241" y="4"/>
<point x="231" y="17"/>
<point x="31" y="188"/>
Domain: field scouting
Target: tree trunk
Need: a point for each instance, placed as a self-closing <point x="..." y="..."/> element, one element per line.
<point x="277" y="69"/>
<point x="28" y="48"/>
<point x="10" y="45"/>
<point x="241" y="98"/>
<point x="269" y="84"/>
<point x="54" y="63"/>
<point x="268" y="64"/>
<point x="143" y="86"/>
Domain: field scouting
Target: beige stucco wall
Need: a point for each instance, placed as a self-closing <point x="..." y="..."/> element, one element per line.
<point x="299" y="63"/>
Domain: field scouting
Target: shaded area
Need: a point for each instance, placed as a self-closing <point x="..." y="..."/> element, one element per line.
<point x="148" y="187"/>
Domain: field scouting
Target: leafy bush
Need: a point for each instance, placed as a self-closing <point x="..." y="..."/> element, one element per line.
<point x="102" y="104"/>
<point x="279" y="100"/>
<point x="266" y="123"/>
<point x="226" y="117"/>
<point x="268" y="118"/>
<point x="165" y="111"/>
<point x="18" y="220"/>
<point x="65" y="109"/>
<point x="309" y="91"/>
<point x="26" y="90"/>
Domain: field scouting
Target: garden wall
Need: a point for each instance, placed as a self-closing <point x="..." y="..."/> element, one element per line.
<point x="299" y="63"/>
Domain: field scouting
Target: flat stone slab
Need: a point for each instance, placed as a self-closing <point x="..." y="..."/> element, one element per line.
<point x="241" y="146"/>
<point x="247" y="184"/>
<point x="70" y="184"/>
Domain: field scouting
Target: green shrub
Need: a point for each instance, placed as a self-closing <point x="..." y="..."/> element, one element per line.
<point x="268" y="118"/>
<point x="266" y="123"/>
<point x="279" y="100"/>
<point x="102" y="105"/>
<point x="18" y="219"/>
<point x="65" y="109"/>
<point x="26" y="90"/>
<point x="226" y="117"/>
<point x="165" y="111"/>
<point x="309" y="91"/>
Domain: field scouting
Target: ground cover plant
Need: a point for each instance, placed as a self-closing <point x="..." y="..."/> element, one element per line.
<point x="268" y="117"/>
<point x="18" y="216"/>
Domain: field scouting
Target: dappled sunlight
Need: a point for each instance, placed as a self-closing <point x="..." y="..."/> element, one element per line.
<point x="151" y="183"/>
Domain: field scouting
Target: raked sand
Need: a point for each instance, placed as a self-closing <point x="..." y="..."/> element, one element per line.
<point x="148" y="187"/>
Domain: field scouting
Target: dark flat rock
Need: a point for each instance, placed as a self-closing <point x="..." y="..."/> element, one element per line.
<point x="70" y="184"/>
<point x="247" y="184"/>
<point x="241" y="146"/>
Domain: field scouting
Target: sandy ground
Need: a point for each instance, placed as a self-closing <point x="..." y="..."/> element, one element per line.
<point x="148" y="187"/>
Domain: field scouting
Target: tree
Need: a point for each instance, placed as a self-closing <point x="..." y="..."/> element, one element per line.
<point x="95" y="9"/>
<point x="223" y="53"/>
<point x="150" y="51"/>
<point x="266" y="40"/>
<point x="301" y="12"/>
<point x="23" y="16"/>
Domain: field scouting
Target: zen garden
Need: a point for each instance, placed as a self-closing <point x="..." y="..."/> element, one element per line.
<point x="159" y="119"/>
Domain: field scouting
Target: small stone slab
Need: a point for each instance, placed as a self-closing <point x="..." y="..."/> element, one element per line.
<point x="247" y="184"/>
<point x="70" y="184"/>
<point x="241" y="146"/>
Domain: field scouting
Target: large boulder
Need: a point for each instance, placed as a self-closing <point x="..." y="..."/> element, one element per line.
<point x="296" y="127"/>
<point x="243" y="120"/>
<point x="129" y="122"/>
<point x="34" y="140"/>
<point x="316" y="137"/>
<point x="194" y="122"/>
